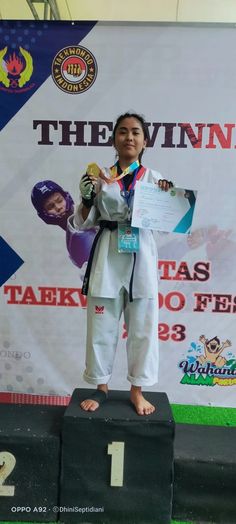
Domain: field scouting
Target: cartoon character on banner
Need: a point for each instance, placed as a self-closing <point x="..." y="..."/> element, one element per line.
<point x="212" y="351"/>
<point x="55" y="206"/>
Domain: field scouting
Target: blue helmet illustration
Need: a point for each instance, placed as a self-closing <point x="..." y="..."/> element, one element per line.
<point x="40" y="192"/>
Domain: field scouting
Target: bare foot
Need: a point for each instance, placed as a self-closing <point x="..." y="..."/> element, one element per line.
<point x="91" y="404"/>
<point x="142" y="406"/>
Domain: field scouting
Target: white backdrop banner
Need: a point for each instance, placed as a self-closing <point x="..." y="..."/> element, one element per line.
<point x="62" y="86"/>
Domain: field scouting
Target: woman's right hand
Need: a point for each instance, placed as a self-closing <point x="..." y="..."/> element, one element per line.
<point x="87" y="187"/>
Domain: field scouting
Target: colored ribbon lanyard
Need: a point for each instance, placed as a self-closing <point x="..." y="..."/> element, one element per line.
<point x="95" y="171"/>
<point x="128" y="193"/>
<point x="128" y="170"/>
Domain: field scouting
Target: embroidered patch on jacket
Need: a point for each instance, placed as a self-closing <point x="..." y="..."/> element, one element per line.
<point x="99" y="310"/>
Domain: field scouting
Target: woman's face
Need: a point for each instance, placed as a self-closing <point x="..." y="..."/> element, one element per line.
<point x="55" y="204"/>
<point x="129" y="139"/>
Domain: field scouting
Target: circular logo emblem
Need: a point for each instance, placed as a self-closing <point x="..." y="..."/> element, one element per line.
<point x="74" y="69"/>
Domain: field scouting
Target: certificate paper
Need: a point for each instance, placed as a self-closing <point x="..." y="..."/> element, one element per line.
<point x="170" y="211"/>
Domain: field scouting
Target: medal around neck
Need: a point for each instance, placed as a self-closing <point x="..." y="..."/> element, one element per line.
<point x="94" y="170"/>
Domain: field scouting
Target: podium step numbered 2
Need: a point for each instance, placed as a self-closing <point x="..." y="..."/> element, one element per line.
<point x="29" y="462"/>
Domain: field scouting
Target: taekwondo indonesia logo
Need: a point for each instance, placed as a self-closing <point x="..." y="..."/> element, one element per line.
<point x="74" y="69"/>
<point x="15" y="70"/>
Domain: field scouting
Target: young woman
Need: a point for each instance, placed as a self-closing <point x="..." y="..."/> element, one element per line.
<point x="121" y="276"/>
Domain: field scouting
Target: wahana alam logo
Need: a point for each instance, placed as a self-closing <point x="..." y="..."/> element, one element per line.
<point x="206" y="365"/>
<point x="74" y="69"/>
<point x="15" y="70"/>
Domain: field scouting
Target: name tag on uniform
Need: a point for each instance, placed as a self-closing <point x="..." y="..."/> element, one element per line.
<point x="128" y="238"/>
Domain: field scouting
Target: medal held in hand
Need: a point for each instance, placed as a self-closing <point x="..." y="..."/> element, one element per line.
<point x="94" y="170"/>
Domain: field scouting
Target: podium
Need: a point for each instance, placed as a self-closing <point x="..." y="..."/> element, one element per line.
<point x="117" y="466"/>
<point x="29" y="462"/>
<point x="205" y="473"/>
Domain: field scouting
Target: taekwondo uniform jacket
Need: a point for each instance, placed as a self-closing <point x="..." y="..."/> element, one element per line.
<point x="112" y="270"/>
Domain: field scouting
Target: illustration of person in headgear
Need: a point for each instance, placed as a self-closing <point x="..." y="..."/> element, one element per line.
<point x="55" y="206"/>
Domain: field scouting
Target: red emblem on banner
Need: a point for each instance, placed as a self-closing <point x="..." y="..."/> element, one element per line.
<point x="15" y="71"/>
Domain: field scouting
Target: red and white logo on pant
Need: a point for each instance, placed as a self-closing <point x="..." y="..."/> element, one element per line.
<point x="99" y="310"/>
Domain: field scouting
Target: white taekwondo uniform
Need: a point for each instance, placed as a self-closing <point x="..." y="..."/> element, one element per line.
<point x="108" y="293"/>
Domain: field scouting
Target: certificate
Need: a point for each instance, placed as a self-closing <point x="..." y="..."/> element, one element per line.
<point x="170" y="211"/>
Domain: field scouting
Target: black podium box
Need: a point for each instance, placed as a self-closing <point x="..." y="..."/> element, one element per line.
<point x="29" y="462"/>
<point x="116" y="465"/>
<point x="205" y="474"/>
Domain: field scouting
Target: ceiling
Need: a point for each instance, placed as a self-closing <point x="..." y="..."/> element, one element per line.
<point x="35" y="9"/>
<point x="89" y="10"/>
<point x="210" y="11"/>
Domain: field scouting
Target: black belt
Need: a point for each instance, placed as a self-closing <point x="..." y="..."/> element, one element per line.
<point x="111" y="225"/>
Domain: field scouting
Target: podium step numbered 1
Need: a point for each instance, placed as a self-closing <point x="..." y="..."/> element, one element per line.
<point x="116" y="465"/>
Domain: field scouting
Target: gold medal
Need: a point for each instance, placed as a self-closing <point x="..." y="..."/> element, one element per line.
<point x="94" y="170"/>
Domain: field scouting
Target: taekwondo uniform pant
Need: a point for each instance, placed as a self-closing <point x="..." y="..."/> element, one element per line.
<point x="141" y="319"/>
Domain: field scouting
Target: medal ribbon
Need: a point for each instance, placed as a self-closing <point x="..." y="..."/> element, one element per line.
<point x="94" y="170"/>
<point x="128" y="194"/>
<point x="128" y="170"/>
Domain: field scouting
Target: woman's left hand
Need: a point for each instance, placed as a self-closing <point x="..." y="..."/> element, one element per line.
<point x="164" y="184"/>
